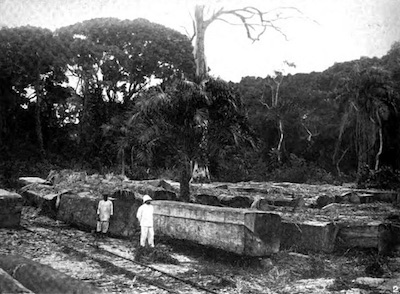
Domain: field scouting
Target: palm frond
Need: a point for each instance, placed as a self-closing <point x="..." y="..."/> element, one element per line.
<point x="201" y="117"/>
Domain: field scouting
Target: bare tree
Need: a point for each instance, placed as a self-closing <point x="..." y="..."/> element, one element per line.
<point x="274" y="82"/>
<point x="255" y="22"/>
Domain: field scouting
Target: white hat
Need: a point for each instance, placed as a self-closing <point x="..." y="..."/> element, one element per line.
<point x="146" y="198"/>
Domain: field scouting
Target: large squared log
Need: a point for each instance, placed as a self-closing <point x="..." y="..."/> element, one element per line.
<point x="268" y="203"/>
<point x="206" y="199"/>
<point x="41" y="278"/>
<point x="369" y="196"/>
<point x="242" y="231"/>
<point x="48" y="203"/>
<point x="10" y="285"/>
<point x="154" y="191"/>
<point x="235" y="201"/>
<point x="362" y="235"/>
<point x="81" y="210"/>
<point x="10" y="209"/>
<point x="309" y="236"/>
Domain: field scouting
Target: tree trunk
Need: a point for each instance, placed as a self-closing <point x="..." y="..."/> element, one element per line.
<point x="380" y="144"/>
<point x="38" y="121"/>
<point x="123" y="162"/>
<point x="199" y="51"/>
<point x="365" y="140"/>
<point x="201" y="74"/>
<point x="281" y="136"/>
<point x="184" y="181"/>
<point x="339" y="173"/>
<point x="344" y="121"/>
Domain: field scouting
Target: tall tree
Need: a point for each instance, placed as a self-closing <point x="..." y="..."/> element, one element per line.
<point x="175" y="118"/>
<point x="255" y="22"/>
<point x="115" y="59"/>
<point x="30" y="57"/>
<point x="128" y="54"/>
<point x="367" y="93"/>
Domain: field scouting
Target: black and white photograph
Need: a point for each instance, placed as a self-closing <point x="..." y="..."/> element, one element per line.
<point x="198" y="146"/>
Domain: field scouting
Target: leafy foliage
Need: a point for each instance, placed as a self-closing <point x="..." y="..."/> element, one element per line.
<point x="115" y="95"/>
<point x="178" y="118"/>
<point x="128" y="54"/>
<point x="383" y="178"/>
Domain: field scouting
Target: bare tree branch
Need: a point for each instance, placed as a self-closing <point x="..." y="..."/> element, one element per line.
<point x="340" y="159"/>
<point x="263" y="20"/>
<point x="264" y="103"/>
<point x="193" y="35"/>
<point x="310" y="134"/>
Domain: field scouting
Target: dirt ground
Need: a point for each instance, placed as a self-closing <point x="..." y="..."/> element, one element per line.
<point x="350" y="271"/>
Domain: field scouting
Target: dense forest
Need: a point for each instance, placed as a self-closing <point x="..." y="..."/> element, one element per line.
<point x="121" y="96"/>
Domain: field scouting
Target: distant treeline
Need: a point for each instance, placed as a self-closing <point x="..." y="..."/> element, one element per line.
<point x="108" y="95"/>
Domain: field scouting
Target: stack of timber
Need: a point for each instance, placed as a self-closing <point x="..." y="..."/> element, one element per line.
<point x="314" y="217"/>
<point x="10" y="209"/>
<point x="246" y="232"/>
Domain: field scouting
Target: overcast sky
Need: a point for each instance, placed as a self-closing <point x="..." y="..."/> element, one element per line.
<point x="332" y="31"/>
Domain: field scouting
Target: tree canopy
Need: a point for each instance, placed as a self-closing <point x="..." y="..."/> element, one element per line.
<point x="122" y="95"/>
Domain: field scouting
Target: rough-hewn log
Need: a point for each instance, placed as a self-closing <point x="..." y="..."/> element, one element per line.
<point x="348" y="197"/>
<point x="266" y="203"/>
<point x="154" y="190"/>
<point x="40" y="278"/>
<point x="362" y="235"/>
<point x="10" y="285"/>
<point x="10" y="209"/>
<point x="156" y="193"/>
<point x="242" y="231"/>
<point x="369" y="196"/>
<point x="32" y="180"/>
<point x="309" y="235"/>
<point x="169" y="186"/>
<point x="324" y="200"/>
<point x="206" y="199"/>
<point x="221" y="197"/>
<point x="48" y="203"/>
<point x="389" y="235"/>
<point x="235" y="201"/>
<point x="81" y="210"/>
<point x="251" y="190"/>
<point x="32" y="198"/>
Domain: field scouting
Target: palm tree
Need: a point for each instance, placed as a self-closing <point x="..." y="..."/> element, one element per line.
<point x="177" y="117"/>
<point x="367" y="93"/>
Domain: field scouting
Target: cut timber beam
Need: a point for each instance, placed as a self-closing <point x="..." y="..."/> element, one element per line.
<point x="10" y="285"/>
<point x="40" y="278"/>
<point x="242" y="231"/>
<point x="363" y="235"/>
<point x="81" y="210"/>
<point x="48" y="203"/>
<point x="309" y="236"/>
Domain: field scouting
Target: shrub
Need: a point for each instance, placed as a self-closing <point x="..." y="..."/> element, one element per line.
<point x="383" y="178"/>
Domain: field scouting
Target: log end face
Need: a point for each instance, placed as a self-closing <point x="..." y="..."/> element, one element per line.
<point x="263" y="234"/>
<point x="10" y="209"/>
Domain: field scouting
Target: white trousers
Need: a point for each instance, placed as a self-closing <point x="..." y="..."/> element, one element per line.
<point x="102" y="226"/>
<point x="147" y="233"/>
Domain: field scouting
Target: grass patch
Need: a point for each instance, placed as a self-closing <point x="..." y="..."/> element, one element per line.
<point x="158" y="254"/>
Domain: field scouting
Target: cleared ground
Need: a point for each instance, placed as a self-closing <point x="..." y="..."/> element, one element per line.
<point x="350" y="271"/>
